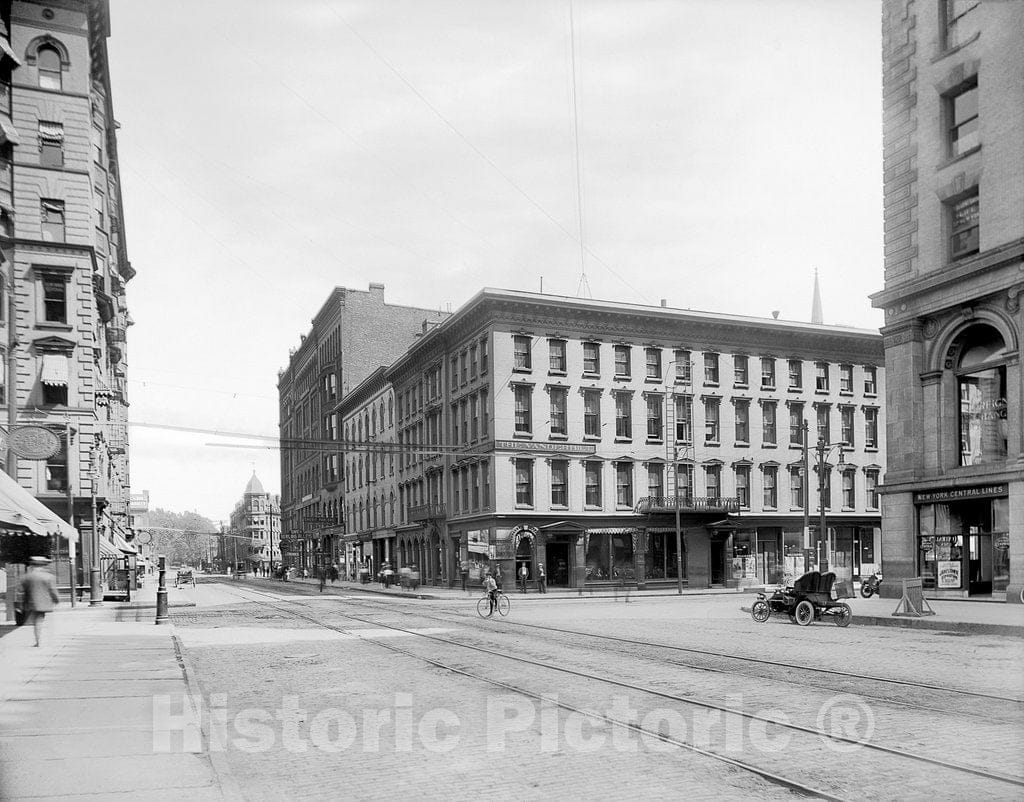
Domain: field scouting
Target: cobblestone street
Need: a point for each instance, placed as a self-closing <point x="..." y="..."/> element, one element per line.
<point x="307" y="695"/>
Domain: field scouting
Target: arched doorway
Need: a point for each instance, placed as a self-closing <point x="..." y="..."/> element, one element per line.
<point x="525" y="554"/>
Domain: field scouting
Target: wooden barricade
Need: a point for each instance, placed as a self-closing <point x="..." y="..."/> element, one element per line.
<point x="913" y="602"/>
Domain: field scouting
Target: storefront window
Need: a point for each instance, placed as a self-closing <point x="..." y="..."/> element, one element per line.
<point x="610" y="557"/>
<point x="661" y="556"/>
<point x="981" y="389"/>
<point x="744" y="560"/>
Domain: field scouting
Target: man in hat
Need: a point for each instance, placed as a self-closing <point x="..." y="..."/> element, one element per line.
<point x="38" y="591"/>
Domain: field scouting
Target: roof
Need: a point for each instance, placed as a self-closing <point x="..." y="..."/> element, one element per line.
<point x="255" y="487"/>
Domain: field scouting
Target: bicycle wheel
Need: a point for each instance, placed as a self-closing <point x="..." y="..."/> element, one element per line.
<point x="483" y="607"/>
<point x="504" y="605"/>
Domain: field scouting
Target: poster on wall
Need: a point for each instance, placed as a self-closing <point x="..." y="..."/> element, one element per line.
<point x="478" y="541"/>
<point x="949" y="574"/>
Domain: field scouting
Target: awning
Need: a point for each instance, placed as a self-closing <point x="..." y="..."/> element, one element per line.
<point x="8" y="133"/>
<point x="108" y="550"/>
<point x="7" y="51"/>
<point x="54" y="371"/>
<point x="123" y="544"/>
<point x="51" y="131"/>
<point x="627" y="530"/>
<point x="21" y="510"/>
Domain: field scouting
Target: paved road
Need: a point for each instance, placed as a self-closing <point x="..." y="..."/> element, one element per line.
<point x="316" y="696"/>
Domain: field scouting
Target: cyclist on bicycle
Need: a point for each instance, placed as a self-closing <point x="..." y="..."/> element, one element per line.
<point x="491" y="589"/>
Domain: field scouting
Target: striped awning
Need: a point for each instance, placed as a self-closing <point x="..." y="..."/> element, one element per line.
<point x="624" y="530"/>
<point x="108" y="549"/>
<point x="54" y="371"/>
<point x="22" y="513"/>
<point x="51" y="131"/>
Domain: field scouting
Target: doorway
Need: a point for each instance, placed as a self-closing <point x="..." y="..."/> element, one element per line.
<point x="979" y="565"/>
<point x="558" y="569"/>
<point x="718" y="562"/>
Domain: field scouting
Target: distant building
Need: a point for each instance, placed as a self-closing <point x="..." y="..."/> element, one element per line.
<point x="535" y="429"/>
<point x="953" y="503"/>
<point x="65" y="266"/>
<point x="255" y="530"/>
<point x="354" y="333"/>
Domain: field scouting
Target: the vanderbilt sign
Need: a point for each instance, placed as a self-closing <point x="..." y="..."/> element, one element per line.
<point x="961" y="493"/>
<point x="547" y="448"/>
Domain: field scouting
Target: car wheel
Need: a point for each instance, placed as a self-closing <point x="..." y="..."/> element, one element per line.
<point x="843" y="615"/>
<point x="804" y="613"/>
<point x="760" y="611"/>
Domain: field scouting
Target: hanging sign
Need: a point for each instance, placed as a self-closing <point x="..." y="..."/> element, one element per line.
<point x="34" y="442"/>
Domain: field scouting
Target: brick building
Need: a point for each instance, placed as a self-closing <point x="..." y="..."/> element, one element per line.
<point x="65" y="267"/>
<point x="953" y="503"/>
<point x="534" y="429"/>
<point x="353" y="334"/>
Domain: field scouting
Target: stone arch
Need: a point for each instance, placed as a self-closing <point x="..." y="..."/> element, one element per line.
<point x="946" y="349"/>
<point x="47" y="40"/>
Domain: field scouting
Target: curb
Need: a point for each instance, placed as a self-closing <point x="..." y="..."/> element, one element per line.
<point x="929" y="622"/>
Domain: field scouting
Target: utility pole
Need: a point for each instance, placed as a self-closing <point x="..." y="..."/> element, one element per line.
<point x="95" y="577"/>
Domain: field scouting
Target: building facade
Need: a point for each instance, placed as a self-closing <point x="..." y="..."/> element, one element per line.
<point x="354" y="333"/>
<point x="65" y="268"/>
<point x="542" y="430"/>
<point x="255" y="531"/>
<point x="953" y="500"/>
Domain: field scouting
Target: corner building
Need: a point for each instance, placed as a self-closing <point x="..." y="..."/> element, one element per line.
<point x="542" y="430"/>
<point x="953" y="503"/>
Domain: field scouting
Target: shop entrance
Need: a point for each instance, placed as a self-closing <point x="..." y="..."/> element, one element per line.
<point x="979" y="565"/>
<point x="718" y="562"/>
<point x="524" y="557"/>
<point x="558" y="564"/>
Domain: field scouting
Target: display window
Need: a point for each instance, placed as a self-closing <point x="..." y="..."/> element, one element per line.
<point x="610" y="557"/>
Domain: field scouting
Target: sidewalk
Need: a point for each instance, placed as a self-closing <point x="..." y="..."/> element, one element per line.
<point x="77" y="714"/>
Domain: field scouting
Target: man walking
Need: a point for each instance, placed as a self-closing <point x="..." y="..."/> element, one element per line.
<point x="39" y="594"/>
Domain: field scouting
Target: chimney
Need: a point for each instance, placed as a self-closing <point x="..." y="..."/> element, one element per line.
<point x="664" y="302"/>
<point x="775" y="314"/>
<point x="377" y="291"/>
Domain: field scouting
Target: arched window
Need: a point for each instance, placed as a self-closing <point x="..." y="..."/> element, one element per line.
<point x="374" y="419"/>
<point x="981" y="391"/>
<point x="382" y="416"/>
<point x="48" y="64"/>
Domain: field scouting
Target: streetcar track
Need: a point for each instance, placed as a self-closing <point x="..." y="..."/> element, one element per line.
<point x="892" y="751"/>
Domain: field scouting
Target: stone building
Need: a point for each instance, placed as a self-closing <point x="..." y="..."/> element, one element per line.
<point x="953" y="499"/>
<point x="65" y="267"/>
<point x="256" y="525"/>
<point x="543" y="430"/>
<point x="353" y="334"/>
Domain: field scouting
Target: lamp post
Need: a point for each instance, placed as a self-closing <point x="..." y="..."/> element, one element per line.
<point x="670" y="443"/>
<point x="822" y="452"/>
<point x="95" y="576"/>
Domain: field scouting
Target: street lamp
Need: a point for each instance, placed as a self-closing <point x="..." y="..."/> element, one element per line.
<point x="673" y="449"/>
<point x="822" y="452"/>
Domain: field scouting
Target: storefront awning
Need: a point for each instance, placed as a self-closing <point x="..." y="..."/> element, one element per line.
<point x="55" y="370"/>
<point x="107" y="549"/>
<point x="622" y="530"/>
<point x="21" y="511"/>
<point x="123" y="545"/>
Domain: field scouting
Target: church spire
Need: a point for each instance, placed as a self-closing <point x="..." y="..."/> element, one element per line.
<point x="816" y="316"/>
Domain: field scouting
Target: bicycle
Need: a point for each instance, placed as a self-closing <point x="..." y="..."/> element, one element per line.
<point x="503" y="605"/>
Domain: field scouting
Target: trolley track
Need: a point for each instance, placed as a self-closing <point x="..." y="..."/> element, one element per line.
<point x="938" y="764"/>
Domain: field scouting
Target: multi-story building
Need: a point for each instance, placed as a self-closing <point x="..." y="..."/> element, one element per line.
<point x="953" y="499"/>
<point x="354" y="333"/>
<point x="536" y="429"/>
<point x="65" y="265"/>
<point x="255" y="526"/>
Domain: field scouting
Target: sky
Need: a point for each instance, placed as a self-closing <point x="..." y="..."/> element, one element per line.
<point x="713" y="153"/>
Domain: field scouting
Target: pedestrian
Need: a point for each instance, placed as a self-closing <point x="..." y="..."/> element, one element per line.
<point x="322" y="576"/>
<point x="491" y="589"/>
<point x="542" y="579"/>
<point x="524" y="575"/>
<point x="464" y="573"/>
<point x="334" y="573"/>
<point x="38" y="592"/>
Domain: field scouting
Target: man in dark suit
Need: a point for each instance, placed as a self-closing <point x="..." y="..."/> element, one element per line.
<point x="38" y="592"/>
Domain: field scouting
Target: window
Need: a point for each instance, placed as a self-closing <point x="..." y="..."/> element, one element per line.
<point x="54" y="377"/>
<point x="846" y="425"/>
<point x="682" y="364"/>
<point x="558" y="401"/>
<point x="655" y="406"/>
<point x="591" y="413"/>
<point x="684" y="481"/>
<point x="740" y="370"/>
<point x="474" y="412"/>
<point x="592" y="358"/>
<point x="796" y="424"/>
<point x="472" y="362"/>
<point x="821" y="377"/>
<point x="960" y="21"/>
<point x="623" y="420"/>
<point x="796" y="374"/>
<point x="963" y="229"/>
<point x="521" y="352"/>
<point x="962" y="116"/>
<point x="870" y="380"/>
<point x="51" y="145"/>
<point x="524" y="482"/>
<point x="870" y="427"/>
<point x="55" y="300"/>
<point x="57" y="472"/>
<point x="483" y="356"/>
<point x="559" y="483"/>
<point x="824" y="429"/>
<point x="769" y="435"/>
<point x="592" y="471"/>
<point x="770" y="480"/>
<point x="712" y="420"/>
<point x="48" y="65"/>
<point x="871" y="488"/>
<point x="982" y="396"/>
<point x="624" y="484"/>
<point x="743" y="485"/>
<point x="484" y="422"/>
<point x="52" y="220"/>
<point x="622" y="367"/>
<point x="684" y="419"/>
<point x="656" y="480"/>
<point x="767" y="373"/>
<point x="846" y="378"/>
<point x="849" y="489"/>
<point x="710" y="368"/>
<point x="825" y="494"/>
<point x="464" y="363"/>
<point x="742" y="420"/>
<point x="713" y="481"/>
<point x="653" y="356"/>
<point x="796" y="487"/>
<point x="556" y="356"/>
<point x="524" y="413"/>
